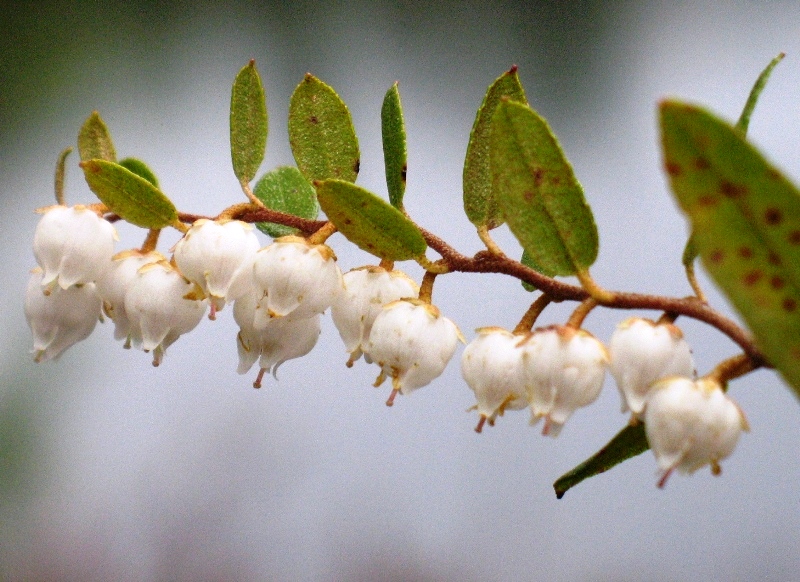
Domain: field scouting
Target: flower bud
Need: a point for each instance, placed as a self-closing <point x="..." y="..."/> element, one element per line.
<point x="161" y="306"/>
<point x="412" y="343"/>
<point x="60" y="318"/>
<point x="295" y="278"/>
<point x="113" y="284"/>
<point x="366" y="291"/>
<point x="492" y="366"/>
<point x="72" y="245"/>
<point x="564" y="371"/>
<point x="690" y="424"/>
<point x="214" y="255"/>
<point x="642" y="352"/>
<point x="282" y="339"/>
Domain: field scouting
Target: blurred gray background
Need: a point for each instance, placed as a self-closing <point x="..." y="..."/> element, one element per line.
<point x="111" y="469"/>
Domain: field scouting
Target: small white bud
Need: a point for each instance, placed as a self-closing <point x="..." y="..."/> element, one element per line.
<point x="642" y="352"/>
<point x="295" y="278"/>
<point x="564" y="368"/>
<point x="214" y="255"/>
<point x="59" y="317"/>
<point x="492" y="365"/>
<point x="72" y="245"/>
<point x="161" y="306"/>
<point x="690" y="424"/>
<point x="366" y="291"/>
<point x="412" y="343"/>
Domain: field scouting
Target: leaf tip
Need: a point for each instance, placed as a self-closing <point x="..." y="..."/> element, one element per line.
<point x="512" y="70"/>
<point x="252" y="63"/>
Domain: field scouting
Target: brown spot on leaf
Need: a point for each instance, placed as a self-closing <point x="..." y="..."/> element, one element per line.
<point x="716" y="256"/>
<point x="773" y="174"/>
<point x="538" y="177"/>
<point x="752" y="277"/>
<point x="313" y="119"/>
<point x="732" y="190"/>
<point x="773" y="258"/>
<point x="707" y="200"/>
<point x="348" y="221"/>
<point x="773" y="216"/>
<point x="528" y="196"/>
<point x="702" y="164"/>
<point x="673" y="169"/>
<point x="794" y="237"/>
<point x="777" y="282"/>
<point x="745" y="252"/>
<point x="789" y="304"/>
<point x="794" y="351"/>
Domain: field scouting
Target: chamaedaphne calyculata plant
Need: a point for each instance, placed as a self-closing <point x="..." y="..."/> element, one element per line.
<point x="743" y="217"/>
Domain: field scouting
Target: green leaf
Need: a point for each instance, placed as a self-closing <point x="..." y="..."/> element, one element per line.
<point x="529" y="262"/>
<point x="745" y="220"/>
<point x="321" y="133"/>
<point x="94" y="141"/>
<point x="755" y="92"/>
<point x="479" y="201"/>
<point x="537" y="192"/>
<point x="130" y="196"/>
<point x="139" y="168"/>
<point x="287" y="190"/>
<point x="627" y="443"/>
<point x="393" y="132"/>
<point x="248" y="123"/>
<point x="369" y="222"/>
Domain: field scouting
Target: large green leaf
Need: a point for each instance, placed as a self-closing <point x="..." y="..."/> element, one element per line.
<point x="130" y="196"/>
<point x="94" y="140"/>
<point x="393" y="132"/>
<point x="627" y="443"/>
<point x="537" y="192"/>
<point x="287" y="190"/>
<point x="321" y="133"/>
<point x="369" y="222"/>
<point x="479" y="203"/>
<point x="248" y="123"/>
<point x="745" y="220"/>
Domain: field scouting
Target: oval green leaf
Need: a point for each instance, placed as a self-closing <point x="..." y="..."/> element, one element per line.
<point x="130" y="196"/>
<point x="249" y="123"/>
<point x="141" y="169"/>
<point x="745" y="222"/>
<point x="369" y="222"/>
<point x="94" y="140"/>
<point x="479" y="202"/>
<point x="395" y="157"/>
<point x="537" y="192"/>
<point x="287" y="190"/>
<point x="627" y="443"/>
<point x="321" y="133"/>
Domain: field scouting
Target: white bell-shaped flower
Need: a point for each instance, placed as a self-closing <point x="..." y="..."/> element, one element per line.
<point x="492" y="365"/>
<point x="564" y="370"/>
<point x="113" y="285"/>
<point x="643" y="351"/>
<point x="283" y="338"/>
<point x="215" y="255"/>
<point x="60" y="318"/>
<point x="161" y="305"/>
<point x="73" y="245"/>
<point x="294" y="278"/>
<point x="366" y="291"/>
<point x="690" y="424"/>
<point x="412" y="343"/>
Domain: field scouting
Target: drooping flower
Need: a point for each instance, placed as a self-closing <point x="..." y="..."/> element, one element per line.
<point x="282" y="339"/>
<point x="492" y="366"/>
<point x="643" y="351"/>
<point x="366" y="291"/>
<point x="73" y="245"/>
<point x="412" y="343"/>
<point x="214" y="255"/>
<point x="61" y="317"/>
<point x="114" y="283"/>
<point x="161" y="305"/>
<point x="564" y="370"/>
<point x="294" y="278"/>
<point x="690" y="424"/>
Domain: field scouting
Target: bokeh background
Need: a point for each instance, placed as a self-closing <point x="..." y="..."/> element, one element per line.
<point x="113" y="470"/>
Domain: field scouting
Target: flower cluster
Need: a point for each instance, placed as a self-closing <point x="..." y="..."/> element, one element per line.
<point x="279" y="293"/>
